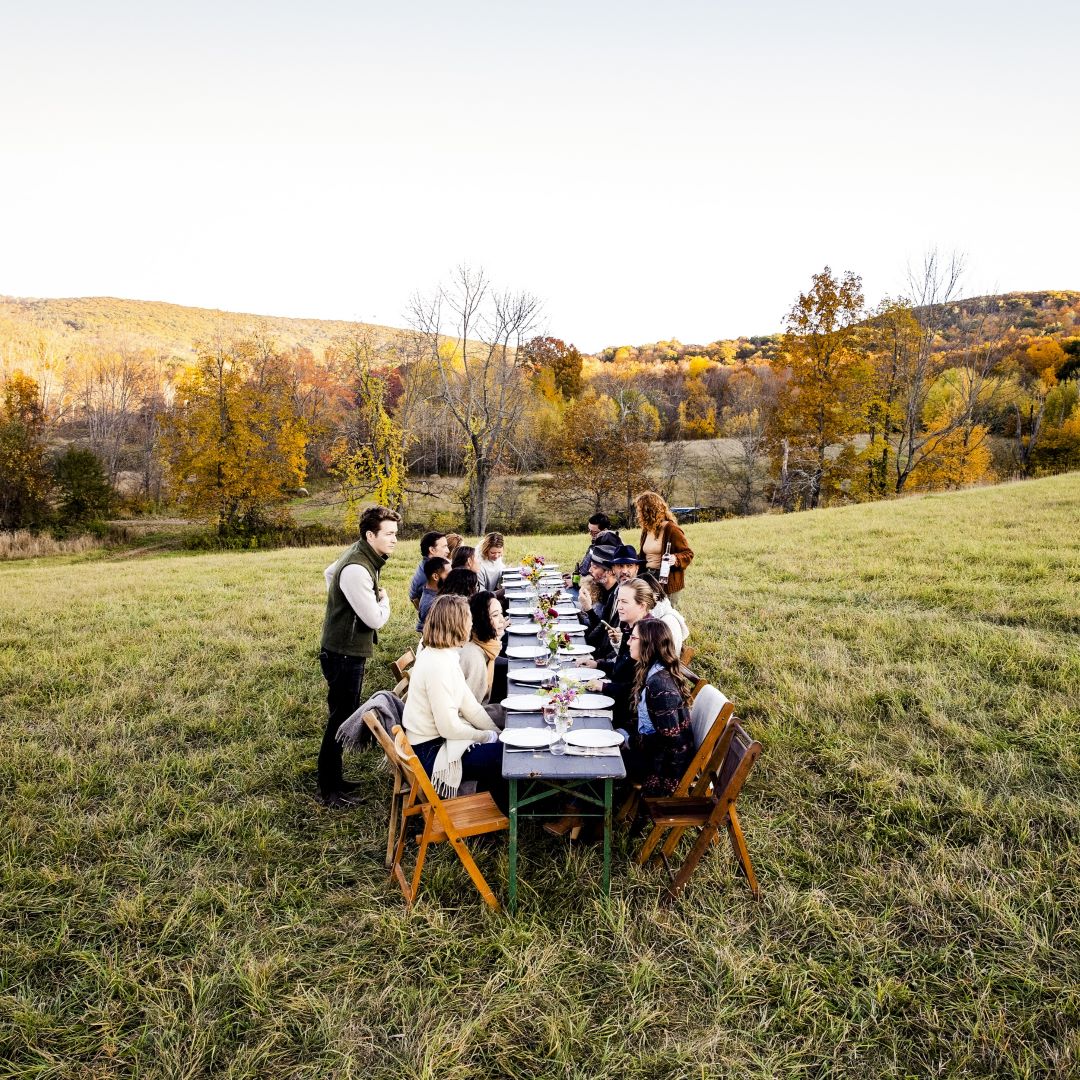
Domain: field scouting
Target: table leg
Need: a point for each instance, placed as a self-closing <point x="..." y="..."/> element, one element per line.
<point x="513" y="846"/>
<point x="607" y="836"/>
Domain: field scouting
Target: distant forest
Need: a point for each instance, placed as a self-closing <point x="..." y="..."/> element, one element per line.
<point x="128" y="405"/>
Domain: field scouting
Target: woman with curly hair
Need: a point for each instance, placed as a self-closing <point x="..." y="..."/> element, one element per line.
<point x="663" y="746"/>
<point x="659" y="529"/>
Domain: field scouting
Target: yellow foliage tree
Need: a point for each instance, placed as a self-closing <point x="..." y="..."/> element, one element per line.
<point x="234" y="442"/>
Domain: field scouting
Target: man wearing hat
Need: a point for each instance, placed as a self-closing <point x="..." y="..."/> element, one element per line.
<point x="601" y="570"/>
<point x="625" y="563"/>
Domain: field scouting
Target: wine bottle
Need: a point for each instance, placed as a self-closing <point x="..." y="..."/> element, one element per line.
<point x="665" y="565"/>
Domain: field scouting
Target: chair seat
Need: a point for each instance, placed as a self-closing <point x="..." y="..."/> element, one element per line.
<point x="471" y="815"/>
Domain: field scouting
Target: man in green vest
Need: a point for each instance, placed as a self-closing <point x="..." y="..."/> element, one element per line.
<point x="357" y="607"/>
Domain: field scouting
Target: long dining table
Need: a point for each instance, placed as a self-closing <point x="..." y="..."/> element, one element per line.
<point x="538" y="780"/>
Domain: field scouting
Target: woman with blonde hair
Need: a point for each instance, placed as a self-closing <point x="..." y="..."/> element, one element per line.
<point x="659" y="530"/>
<point x="491" y="561"/>
<point x="453" y="736"/>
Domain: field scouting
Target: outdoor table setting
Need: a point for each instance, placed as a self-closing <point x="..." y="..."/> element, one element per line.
<point x="558" y="740"/>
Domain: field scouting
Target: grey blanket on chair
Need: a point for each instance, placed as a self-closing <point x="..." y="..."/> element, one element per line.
<point x="386" y="706"/>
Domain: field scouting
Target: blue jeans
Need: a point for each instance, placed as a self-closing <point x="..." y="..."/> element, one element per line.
<point x="344" y="676"/>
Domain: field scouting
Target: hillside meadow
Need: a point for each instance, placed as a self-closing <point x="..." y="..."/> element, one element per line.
<point x="174" y="903"/>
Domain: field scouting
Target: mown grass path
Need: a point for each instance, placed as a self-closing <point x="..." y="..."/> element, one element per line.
<point x="174" y="903"/>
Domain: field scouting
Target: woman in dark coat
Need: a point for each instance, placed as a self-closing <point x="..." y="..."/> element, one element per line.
<point x="663" y="746"/>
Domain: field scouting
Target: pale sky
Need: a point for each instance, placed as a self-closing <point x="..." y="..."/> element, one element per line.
<point x="648" y="170"/>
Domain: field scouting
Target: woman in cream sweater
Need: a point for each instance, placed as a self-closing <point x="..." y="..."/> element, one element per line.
<point x="453" y="736"/>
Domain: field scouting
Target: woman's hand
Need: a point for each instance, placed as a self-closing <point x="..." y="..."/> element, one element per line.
<point x="614" y="636"/>
<point x="595" y="687"/>
<point x="588" y="663"/>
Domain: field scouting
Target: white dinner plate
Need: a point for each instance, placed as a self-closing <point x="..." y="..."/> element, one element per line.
<point x="591" y="701"/>
<point x="528" y="652"/>
<point x="581" y="674"/>
<point x="531" y="675"/>
<point x="570" y="628"/>
<point x="522" y="628"/>
<point x="528" y="736"/>
<point x="523" y="703"/>
<point x="593" y="737"/>
<point x="572" y="650"/>
<point x="520" y="609"/>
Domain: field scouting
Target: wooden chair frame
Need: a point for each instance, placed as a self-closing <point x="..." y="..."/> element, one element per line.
<point x="444" y="820"/>
<point x="708" y="805"/>
<point x="630" y="806"/>
<point x="401" y="786"/>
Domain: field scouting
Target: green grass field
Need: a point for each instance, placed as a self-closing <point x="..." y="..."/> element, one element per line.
<point x="175" y="904"/>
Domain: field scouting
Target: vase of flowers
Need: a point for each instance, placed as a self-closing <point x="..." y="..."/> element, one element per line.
<point x="561" y="697"/>
<point x="532" y="569"/>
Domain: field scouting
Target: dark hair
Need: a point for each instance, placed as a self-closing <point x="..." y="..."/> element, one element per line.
<point x="600" y="519"/>
<point x="434" y="565"/>
<point x="657" y="647"/>
<point x="481" y="617"/>
<point x="460" y="582"/>
<point x="373" y="517"/>
<point x="428" y="541"/>
<point x="462" y="554"/>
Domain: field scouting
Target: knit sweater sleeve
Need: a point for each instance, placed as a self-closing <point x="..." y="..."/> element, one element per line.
<point x="474" y="668"/>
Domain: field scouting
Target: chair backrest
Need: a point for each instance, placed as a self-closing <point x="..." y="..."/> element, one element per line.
<point x="708" y="707"/>
<point x="423" y="790"/>
<point x="687" y="655"/>
<point x="375" y="726"/>
<point x="402" y="664"/>
<point x="731" y="763"/>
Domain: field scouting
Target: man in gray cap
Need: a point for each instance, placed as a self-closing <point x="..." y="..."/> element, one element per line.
<point x="604" y="614"/>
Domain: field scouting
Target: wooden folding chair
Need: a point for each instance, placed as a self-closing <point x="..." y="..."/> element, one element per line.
<point x="444" y="819"/>
<point x="400" y="668"/>
<point x="687" y="655"/>
<point x="709" y="712"/>
<point x="401" y="785"/>
<point x="708" y="810"/>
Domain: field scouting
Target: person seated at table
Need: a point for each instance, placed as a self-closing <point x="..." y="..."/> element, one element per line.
<point x="601" y="534"/>
<point x="460" y="582"/>
<point x="431" y="544"/>
<point x="588" y="595"/>
<point x="465" y="557"/>
<point x="453" y="542"/>
<point x="603" y="611"/>
<point x="435" y="569"/>
<point x="484" y="668"/>
<point x="662" y="746"/>
<point x="625" y="563"/>
<point x="491" y="561"/>
<point x="452" y="734"/>
<point x="636" y="600"/>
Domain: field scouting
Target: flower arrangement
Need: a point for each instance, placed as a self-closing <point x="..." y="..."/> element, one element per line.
<point x="532" y="569"/>
<point x="563" y="695"/>
<point x="557" y="640"/>
<point x="546" y="613"/>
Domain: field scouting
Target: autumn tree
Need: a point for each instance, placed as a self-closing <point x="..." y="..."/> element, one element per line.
<point x="475" y="335"/>
<point x="551" y="360"/>
<point x="24" y="472"/>
<point x="234" y="442"/>
<point x="1037" y="367"/>
<point x="822" y="401"/>
<point x="740" y="462"/>
<point x="369" y="452"/>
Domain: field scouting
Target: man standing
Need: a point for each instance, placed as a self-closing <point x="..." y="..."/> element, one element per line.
<point x="356" y="609"/>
